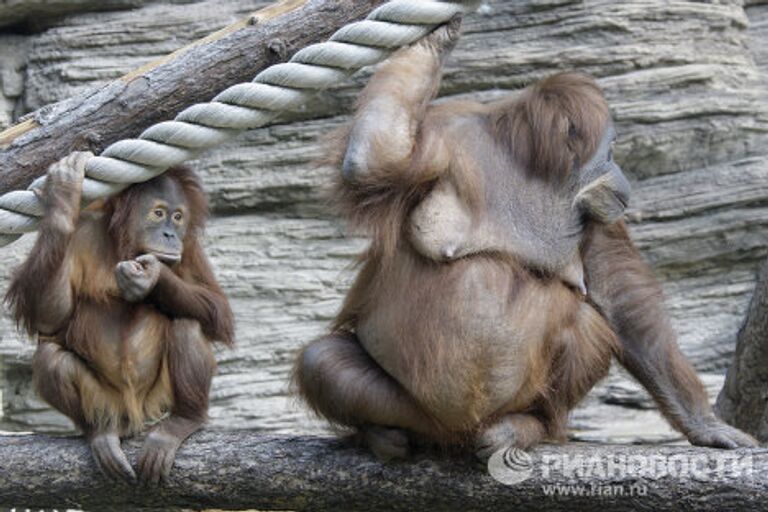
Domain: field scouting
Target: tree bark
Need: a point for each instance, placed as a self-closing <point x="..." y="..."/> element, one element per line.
<point x="742" y="401"/>
<point x="157" y="91"/>
<point x="242" y="470"/>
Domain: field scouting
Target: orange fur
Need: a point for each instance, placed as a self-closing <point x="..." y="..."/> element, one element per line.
<point x="436" y="346"/>
<point x="489" y="345"/>
<point x="106" y="364"/>
<point x="554" y="126"/>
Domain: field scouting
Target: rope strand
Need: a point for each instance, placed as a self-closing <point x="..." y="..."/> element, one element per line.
<point x="279" y="88"/>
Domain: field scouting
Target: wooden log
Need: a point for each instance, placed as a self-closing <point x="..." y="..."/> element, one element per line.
<point x="742" y="401"/>
<point x="246" y="470"/>
<point x="157" y="91"/>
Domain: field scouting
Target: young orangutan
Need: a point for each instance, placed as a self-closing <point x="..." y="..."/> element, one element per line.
<point x="126" y="308"/>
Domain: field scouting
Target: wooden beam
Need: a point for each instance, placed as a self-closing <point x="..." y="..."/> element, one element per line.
<point x="159" y="90"/>
<point x="247" y="470"/>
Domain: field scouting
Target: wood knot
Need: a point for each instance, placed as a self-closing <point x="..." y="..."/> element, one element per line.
<point x="277" y="51"/>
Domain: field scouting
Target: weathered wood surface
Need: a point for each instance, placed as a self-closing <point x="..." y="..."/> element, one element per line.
<point x="156" y="92"/>
<point x="236" y="471"/>
<point x="687" y="84"/>
<point x="742" y="400"/>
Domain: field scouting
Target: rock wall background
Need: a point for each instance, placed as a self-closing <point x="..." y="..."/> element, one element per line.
<point x="687" y="81"/>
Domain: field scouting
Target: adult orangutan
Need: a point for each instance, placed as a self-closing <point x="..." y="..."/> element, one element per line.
<point x="500" y="279"/>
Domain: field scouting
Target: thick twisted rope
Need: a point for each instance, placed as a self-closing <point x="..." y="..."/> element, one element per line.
<point x="279" y="88"/>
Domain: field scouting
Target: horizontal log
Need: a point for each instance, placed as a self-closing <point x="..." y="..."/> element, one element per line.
<point x="246" y="470"/>
<point x="157" y="91"/>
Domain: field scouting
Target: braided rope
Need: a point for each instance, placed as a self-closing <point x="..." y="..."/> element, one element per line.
<point x="282" y="87"/>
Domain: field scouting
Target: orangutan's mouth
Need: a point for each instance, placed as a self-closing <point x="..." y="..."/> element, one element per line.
<point x="167" y="257"/>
